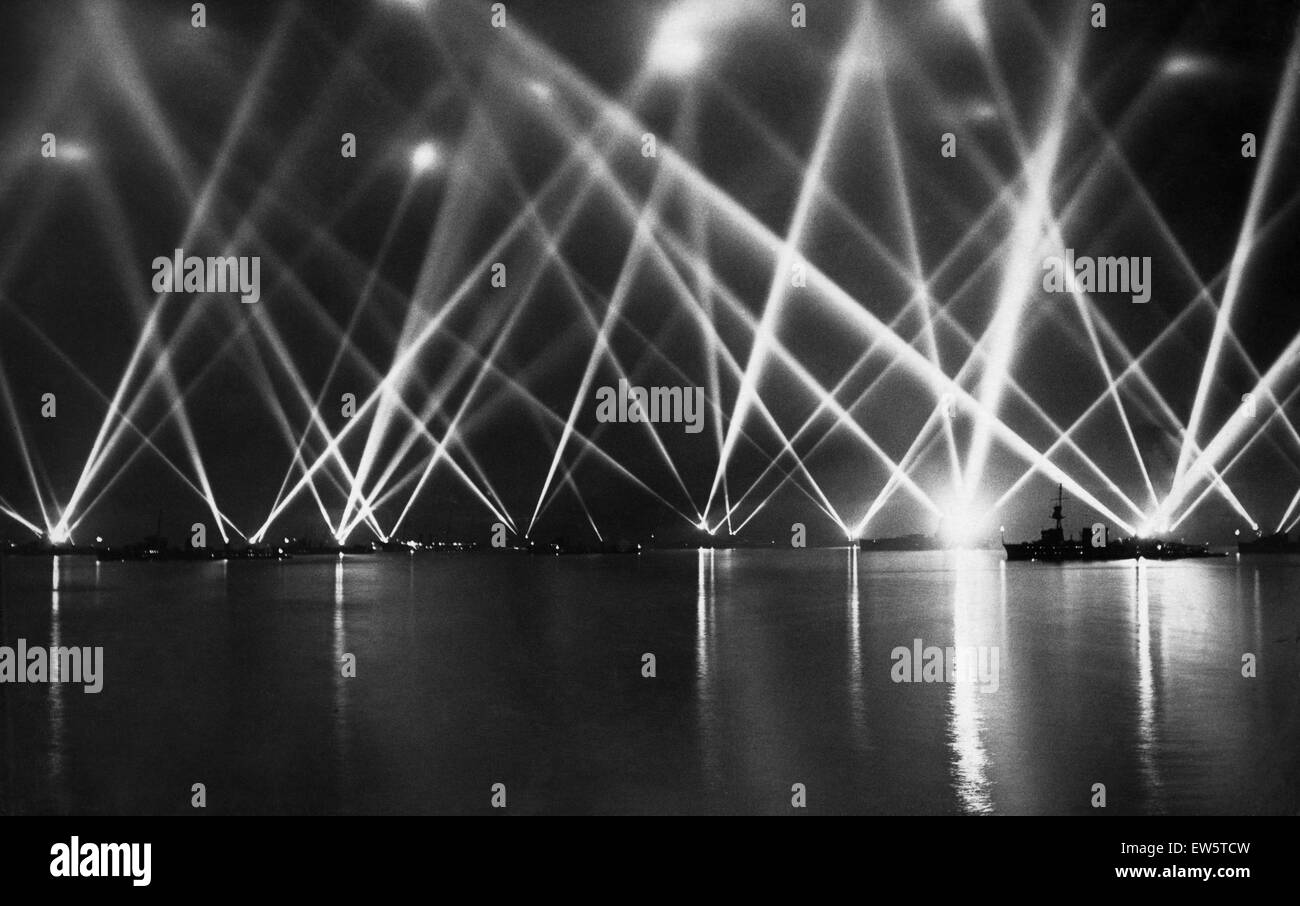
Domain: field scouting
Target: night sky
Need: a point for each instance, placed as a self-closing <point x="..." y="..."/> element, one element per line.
<point x="227" y="139"/>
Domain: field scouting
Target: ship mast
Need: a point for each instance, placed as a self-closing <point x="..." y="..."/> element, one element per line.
<point x="1056" y="510"/>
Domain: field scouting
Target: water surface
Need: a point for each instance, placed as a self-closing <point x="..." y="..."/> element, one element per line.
<point x="773" y="668"/>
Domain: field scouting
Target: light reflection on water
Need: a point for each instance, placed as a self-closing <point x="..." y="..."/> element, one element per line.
<point x="704" y="644"/>
<point x="340" y="681"/>
<point x="1148" y="745"/>
<point x="55" y="695"/>
<point x="857" y="686"/>
<point x="773" y="667"/>
<point x="967" y="724"/>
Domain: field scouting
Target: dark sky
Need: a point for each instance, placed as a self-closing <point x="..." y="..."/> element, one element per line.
<point x="242" y="119"/>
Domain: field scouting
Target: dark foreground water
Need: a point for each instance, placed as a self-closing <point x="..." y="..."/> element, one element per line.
<point x="773" y="668"/>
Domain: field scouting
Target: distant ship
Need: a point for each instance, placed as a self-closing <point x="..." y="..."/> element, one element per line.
<point x="1054" y="546"/>
<point x="1278" y="543"/>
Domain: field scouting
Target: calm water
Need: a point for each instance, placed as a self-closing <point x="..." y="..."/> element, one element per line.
<point x="773" y="669"/>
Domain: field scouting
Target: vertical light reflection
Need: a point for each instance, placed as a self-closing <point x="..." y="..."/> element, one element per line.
<point x="1258" y="614"/>
<point x="1147" y="742"/>
<point x="972" y="761"/>
<point x="857" y="695"/>
<point x="7" y="793"/>
<point x="1004" y="654"/>
<point x="58" y="720"/>
<point x="340" y="689"/>
<point x="1257" y="611"/>
<point x="704" y="649"/>
<point x="704" y="567"/>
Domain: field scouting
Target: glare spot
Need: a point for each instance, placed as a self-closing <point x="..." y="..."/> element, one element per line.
<point x="1180" y="65"/>
<point x="425" y="157"/>
<point x="73" y="152"/>
<point x="675" y="52"/>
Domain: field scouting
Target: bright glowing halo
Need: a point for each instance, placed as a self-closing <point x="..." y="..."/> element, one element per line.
<point x="675" y="53"/>
<point x="425" y="157"/>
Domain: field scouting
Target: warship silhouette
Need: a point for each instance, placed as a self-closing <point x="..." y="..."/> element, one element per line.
<point x="1094" y="543"/>
<point x="1277" y="543"/>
